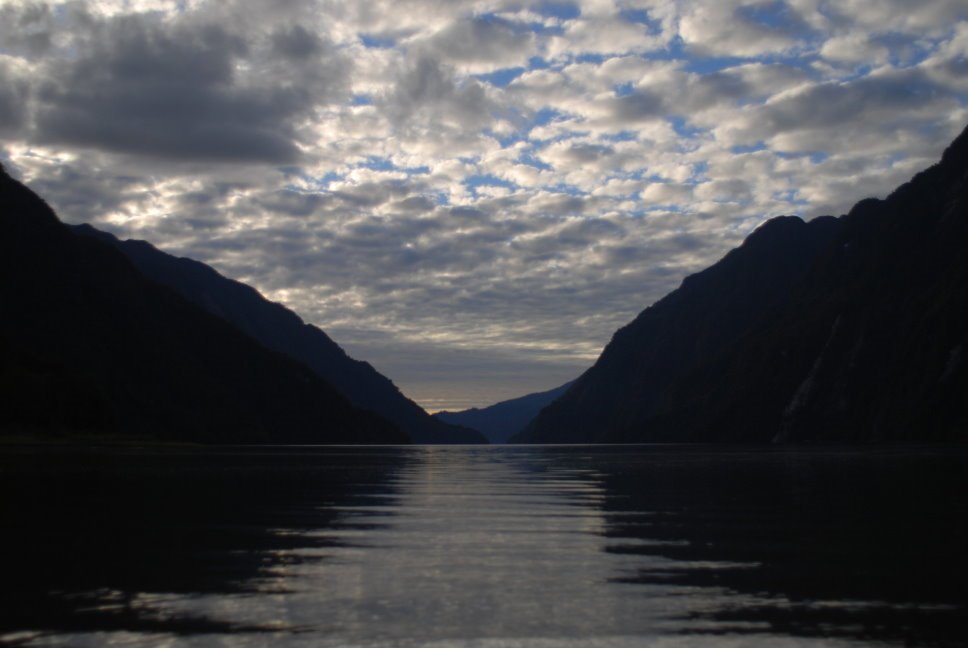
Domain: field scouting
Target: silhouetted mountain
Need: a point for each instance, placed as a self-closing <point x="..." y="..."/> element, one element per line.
<point x="89" y="343"/>
<point x="281" y="330"/>
<point x="499" y="422"/>
<point x="838" y="330"/>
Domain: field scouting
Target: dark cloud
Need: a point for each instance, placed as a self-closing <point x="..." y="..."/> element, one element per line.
<point x="489" y="41"/>
<point x="466" y="212"/>
<point x="14" y="94"/>
<point x="296" y="43"/>
<point x="710" y="89"/>
<point x="293" y="203"/>
<point x="878" y="105"/>
<point x="427" y="93"/>
<point x="831" y="104"/>
<point x="735" y="190"/>
<point x="561" y="204"/>
<point x="592" y="230"/>
<point x="774" y="16"/>
<point x="415" y="204"/>
<point x="211" y="194"/>
<point x="25" y="29"/>
<point x="174" y="91"/>
<point x="956" y="68"/>
<point x="584" y="152"/>
<point x="639" y="106"/>
<point x="371" y="194"/>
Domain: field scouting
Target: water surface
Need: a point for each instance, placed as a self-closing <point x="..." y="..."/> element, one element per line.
<point x="484" y="546"/>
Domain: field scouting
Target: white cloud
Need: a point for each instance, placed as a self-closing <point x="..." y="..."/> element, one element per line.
<point x="855" y="48"/>
<point x="738" y="28"/>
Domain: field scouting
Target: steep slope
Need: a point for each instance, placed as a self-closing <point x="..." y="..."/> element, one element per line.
<point x="281" y="330"/>
<point x="88" y="343"/>
<point x="501" y="421"/>
<point x="836" y="330"/>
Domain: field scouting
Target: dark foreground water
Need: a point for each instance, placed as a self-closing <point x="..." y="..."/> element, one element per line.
<point x="489" y="547"/>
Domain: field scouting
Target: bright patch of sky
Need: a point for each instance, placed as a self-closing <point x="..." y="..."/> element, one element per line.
<point x="471" y="195"/>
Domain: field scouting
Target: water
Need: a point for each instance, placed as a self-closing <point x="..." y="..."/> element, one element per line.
<point x="483" y="546"/>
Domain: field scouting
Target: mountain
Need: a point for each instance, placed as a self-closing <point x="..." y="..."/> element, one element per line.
<point x="849" y="329"/>
<point x="501" y="421"/>
<point x="281" y="330"/>
<point x="88" y="343"/>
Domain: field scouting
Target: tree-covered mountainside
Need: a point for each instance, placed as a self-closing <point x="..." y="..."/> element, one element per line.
<point x="282" y="330"/>
<point x="89" y="344"/>
<point x="842" y="329"/>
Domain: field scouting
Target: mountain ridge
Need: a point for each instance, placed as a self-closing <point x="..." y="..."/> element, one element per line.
<point x="504" y="419"/>
<point x="282" y="330"/>
<point x="846" y="329"/>
<point x="87" y="343"/>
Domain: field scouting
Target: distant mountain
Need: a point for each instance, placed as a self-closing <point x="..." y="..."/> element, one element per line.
<point x="88" y="343"/>
<point x="847" y="329"/>
<point x="502" y="420"/>
<point x="281" y="330"/>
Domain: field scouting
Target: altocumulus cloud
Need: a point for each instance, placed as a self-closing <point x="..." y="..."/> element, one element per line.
<point x="471" y="195"/>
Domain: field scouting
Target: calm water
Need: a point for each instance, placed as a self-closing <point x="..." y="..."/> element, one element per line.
<point x="490" y="547"/>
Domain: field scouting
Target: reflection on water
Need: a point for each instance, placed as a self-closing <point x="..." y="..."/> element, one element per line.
<point x="492" y="546"/>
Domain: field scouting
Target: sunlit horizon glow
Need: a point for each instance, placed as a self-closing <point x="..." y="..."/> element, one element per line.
<point x="471" y="196"/>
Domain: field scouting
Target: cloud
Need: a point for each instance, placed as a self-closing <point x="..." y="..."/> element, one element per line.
<point x="636" y="107"/>
<point x="814" y="117"/>
<point x="26" y="29"/>
<point x="496" y="182"/>
<point x="744" y="29"/>
<point x="428" y="91"/>
<point x="606" y="34"/>
<point x="187" y="91"/>
<point x="667" y="193"/>
<point x="481" y="44"/>
<point x="855" y="48"/>
<point x="14" y="97"/>
<point x="296" y="43"/>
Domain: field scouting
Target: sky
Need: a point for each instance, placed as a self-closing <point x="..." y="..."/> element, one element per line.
<point x="472" y="196"/>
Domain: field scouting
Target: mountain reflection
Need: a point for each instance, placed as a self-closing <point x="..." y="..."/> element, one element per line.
<point x="115" y="540"/>
<point x="484" y="546"/>
<point x="865" y="545"/>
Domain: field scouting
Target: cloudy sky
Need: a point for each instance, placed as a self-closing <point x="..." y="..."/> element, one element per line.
<point x="471" y="195"/>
